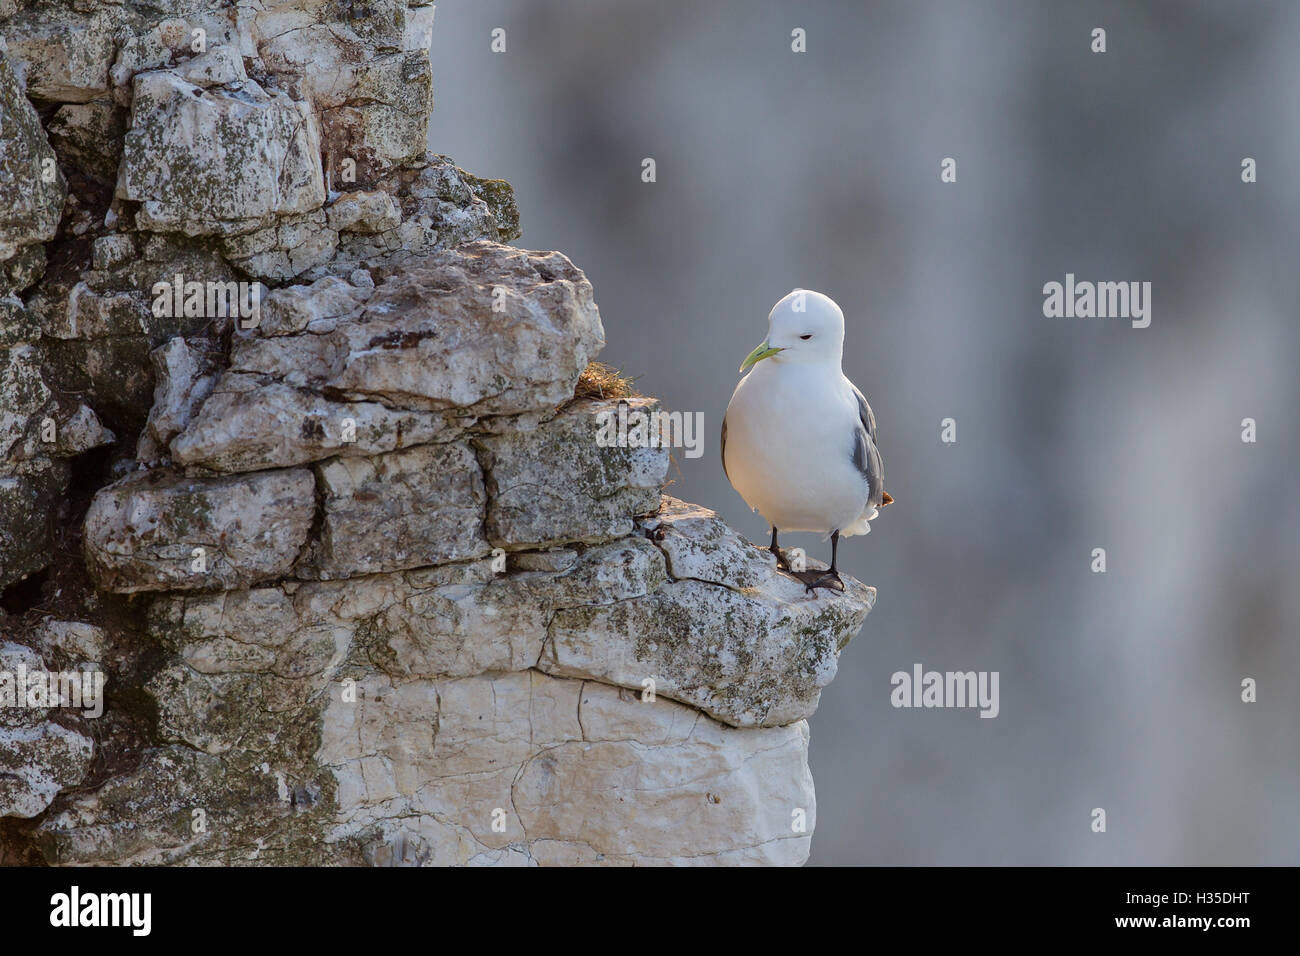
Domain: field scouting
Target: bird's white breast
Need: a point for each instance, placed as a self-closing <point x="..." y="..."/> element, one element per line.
<point x="789" y="452"/>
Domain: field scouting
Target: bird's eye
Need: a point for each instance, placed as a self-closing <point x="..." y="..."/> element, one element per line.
<point x="806" y="337"/>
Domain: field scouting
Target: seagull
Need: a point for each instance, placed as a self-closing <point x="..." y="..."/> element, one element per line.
<point x="798" y="438"/>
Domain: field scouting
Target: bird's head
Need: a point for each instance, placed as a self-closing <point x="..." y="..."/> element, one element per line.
<point x="805" y="327"/>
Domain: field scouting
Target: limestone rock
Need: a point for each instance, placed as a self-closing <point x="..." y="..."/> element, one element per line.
<point x="430" y="338"/>
<point x="38" y="757"/>
<point x="98" y="335"/>
<point x="24" y="394"/>
<point x="557" y="483"/>
<point x="75" y="640"/>
<point x="285" y="249"/>
<point x="248" y="423"/>
<point x="500" y="198"/>
<point x="37" y="430"/>
<point x="561" y="764"/>
<point x="448" y="725"/>
<point x="207" y="161"/>
<point x="146" y="816"/>
<point x="361" y="211"/>
<point x="426" y="339"/>
<point x="184" y="377"/>
<point x="36" y="763"/>
<point x="62" y="53"/>
<point x="439" y="193"/>
<point x="32" y="188"/>
<point x="109" y="252"/>
<point x="406" y="509"/>
<point x="141" y="532"/>
<point x="94" y="315"/>
<point x="318" y="307"/>
<point x="158" y="36"/>
<point x="368" y="77"/>
<point x="19" y="272"/>
<point x="79" y="432"/>
<point x="88" y="136"/>
<point x="700" y="546"/>
<point x="744" y="643"/>
<point x="454" y="620"/>
<point x="15" y="659"/>
<point x="26" y="502"/>
<point x="220" y="66"/>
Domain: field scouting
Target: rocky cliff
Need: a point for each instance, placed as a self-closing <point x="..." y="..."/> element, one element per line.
<point x="293" y="455"/>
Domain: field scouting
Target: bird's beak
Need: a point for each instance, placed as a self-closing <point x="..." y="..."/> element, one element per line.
<point x="756" y="356"/>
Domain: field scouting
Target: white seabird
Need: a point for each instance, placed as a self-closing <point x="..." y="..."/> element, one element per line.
<point x="798" y="438"/>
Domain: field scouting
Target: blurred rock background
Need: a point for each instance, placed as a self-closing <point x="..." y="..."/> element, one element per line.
<point x="821" y="170"/>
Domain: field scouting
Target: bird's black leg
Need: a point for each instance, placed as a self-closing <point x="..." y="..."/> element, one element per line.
<point x="781" y="562"/>
<point x="832" y="575"/>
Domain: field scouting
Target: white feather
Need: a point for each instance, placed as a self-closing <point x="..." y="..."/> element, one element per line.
<point x="792" y="425"/>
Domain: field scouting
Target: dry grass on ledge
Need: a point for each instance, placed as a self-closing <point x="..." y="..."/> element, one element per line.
<point x="604" y="382"/>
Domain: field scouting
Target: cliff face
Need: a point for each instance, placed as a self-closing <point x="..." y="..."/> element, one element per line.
<point x="290" y="454"/>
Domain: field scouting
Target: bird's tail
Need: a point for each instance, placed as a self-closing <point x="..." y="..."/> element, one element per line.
<point x="861" y="526"/>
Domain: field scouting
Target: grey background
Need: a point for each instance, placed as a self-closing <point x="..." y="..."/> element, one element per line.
<point x="821" y="170"/>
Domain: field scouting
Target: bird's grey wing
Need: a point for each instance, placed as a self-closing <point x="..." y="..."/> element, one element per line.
<point x="866" y="456"/>
<point x="724" y="446"/>
<point x="864" y="412"/>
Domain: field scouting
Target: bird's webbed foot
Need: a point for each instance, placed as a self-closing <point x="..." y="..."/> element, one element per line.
<point x="830" y="580"/>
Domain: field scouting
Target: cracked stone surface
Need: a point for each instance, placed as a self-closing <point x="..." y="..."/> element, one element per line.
<point x="141" y="532"/>
<point x="367" y="583"/>
<point x="528" y="768"/>
<point x="40" y="430"/>
<point x="730" y="634"/>
<point x="202" y="161"/>
<point x="454" y="336"/>
<point x="435" y="719"/>
<point x="32" y="201"/>
<point x="38" y="757"/>
<point x="555" y="483"/>
<point x="406" y="509"/>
